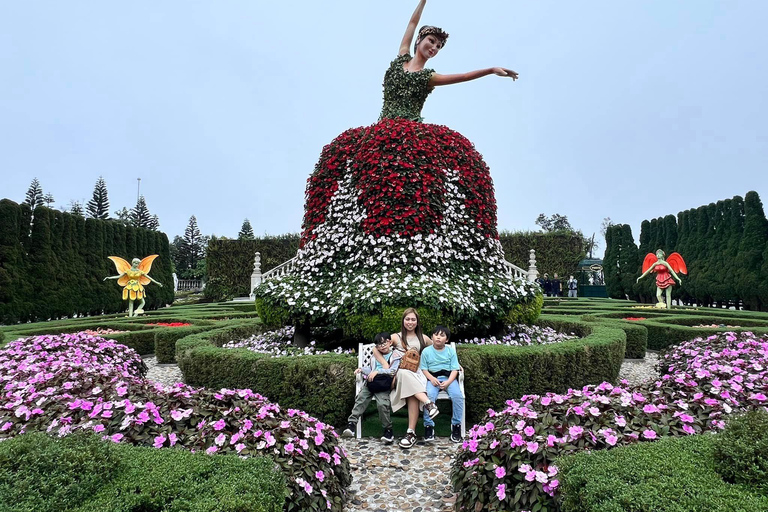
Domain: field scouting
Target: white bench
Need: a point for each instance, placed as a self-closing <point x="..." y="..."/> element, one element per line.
<point x="364" y="357"/>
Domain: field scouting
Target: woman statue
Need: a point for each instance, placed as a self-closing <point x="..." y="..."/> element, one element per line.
<point x="132" y="277"/>
<point x="665" y="270"/>
<point x="400" y="213"/>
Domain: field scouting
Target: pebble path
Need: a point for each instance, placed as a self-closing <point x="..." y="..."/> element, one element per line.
<point x="389" y="479"/>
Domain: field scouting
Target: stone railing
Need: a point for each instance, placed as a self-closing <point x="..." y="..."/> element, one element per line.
<point x="185" y="285"/>
<point x="529" y="275"/>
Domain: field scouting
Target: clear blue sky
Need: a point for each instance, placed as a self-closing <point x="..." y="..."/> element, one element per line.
<point x="631" y="110"/>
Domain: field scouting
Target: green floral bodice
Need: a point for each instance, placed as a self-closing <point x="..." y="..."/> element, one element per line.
<point x="405" y="92"/>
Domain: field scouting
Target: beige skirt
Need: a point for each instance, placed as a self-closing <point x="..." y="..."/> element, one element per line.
<point x="407" y="383"/>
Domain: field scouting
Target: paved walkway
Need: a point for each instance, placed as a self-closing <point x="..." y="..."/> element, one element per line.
<point x="389" y="479"/>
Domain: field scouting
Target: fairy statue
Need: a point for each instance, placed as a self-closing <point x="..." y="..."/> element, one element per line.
<point x="400" y="213"/>
<point x="132" y="277"/>
<point x="665" y="270"/>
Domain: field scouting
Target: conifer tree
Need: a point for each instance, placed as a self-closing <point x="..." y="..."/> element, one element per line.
<point x="140" y="216"/>
<point x="154" y="223"/>
<point x="123" y="216"/>
<point x="610" y="268"/>
<point x="98" y="206"/>
<point x="628" y="267"/>
<point x="76" y="209"/>
<point x="246" y="231"/>
<point x="35" y="196"/>
<point x="48" y="200"/>
<point x="670" y="233"/>
<point x="750" y="258"/>
<point x="191" y="250"/>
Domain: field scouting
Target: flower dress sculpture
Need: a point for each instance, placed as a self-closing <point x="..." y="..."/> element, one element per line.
<point x="398" y="214"/>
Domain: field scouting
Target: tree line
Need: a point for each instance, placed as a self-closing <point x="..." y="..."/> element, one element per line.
<point x="97" y="207"/>
<point x="53" y="263"/>
<point x="724" y="244"/>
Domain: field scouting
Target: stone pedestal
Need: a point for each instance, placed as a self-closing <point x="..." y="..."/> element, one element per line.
<point x="256" y="274"/>
<point x="533" y="272"/>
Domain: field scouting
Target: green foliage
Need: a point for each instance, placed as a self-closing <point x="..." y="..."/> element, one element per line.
<point x="34" y="197"/>
<point x="165" y="341"/>
<point x="324" y="385"/>
<point x="742" y="450"/>
<point x="365" y="326"/>
<point x="555" y="251"/>
<point x="98" y="206"/>
<point x="81" y="473"/>
<point x="54" y="267"/>
<point x="230" y="262"/>
<point x="620" y="261"/>
<point x="670" y="475"/>
<point x="273" y="315"/>
<point x="526" y="312"/>
<point x="496" y="373"/>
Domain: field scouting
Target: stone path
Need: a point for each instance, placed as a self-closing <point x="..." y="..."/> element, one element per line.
<point x="389" y="479"/>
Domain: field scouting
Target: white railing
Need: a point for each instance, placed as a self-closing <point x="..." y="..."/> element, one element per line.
<point x="529" y="275"/>
<point x="280" y="270"/>
<point x="189" y="285"/>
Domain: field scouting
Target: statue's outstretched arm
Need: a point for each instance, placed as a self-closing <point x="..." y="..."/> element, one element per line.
<point x="405" y="45"/>
<point x="115" y="277"/>
<point x="671" y="271"/>
<point x="156" y="282"/>
<point x="650" y="269"/>
<point x="437" y="79"/>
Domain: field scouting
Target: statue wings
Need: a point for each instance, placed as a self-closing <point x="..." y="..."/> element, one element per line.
<point x="649" y="260"/>
<point x="123" y="266"/>
<point x="677" y="263"/>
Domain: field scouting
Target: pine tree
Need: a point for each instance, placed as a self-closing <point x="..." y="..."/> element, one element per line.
<point x="246" y="232"/>
<point x="49" y="200"/>
<point x="140" y="216"/>
<point x="628" y="267"/>
<point x="750" y="259"/>
<point x="610" y="262"/>
<point x="191" y="250"/>
<point x="76" y="209"/>
<point x="98" y="206"/>
<point x="35" y="195"/>
<point x="154" y="223"/>
<point x="123" y="216"/>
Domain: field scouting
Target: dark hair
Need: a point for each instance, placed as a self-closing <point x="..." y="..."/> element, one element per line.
<point x="381" y="338"/>
<point x="441" y="329"/>
<point x="428" y="30"/>
<point x="417" y="331"/>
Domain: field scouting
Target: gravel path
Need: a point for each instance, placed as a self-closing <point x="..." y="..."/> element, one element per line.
<point x="388" y="479"/>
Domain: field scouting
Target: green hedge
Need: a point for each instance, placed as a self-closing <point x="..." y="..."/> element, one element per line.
<point x="558" y="252"/>
<point x="81" y="473"/>
<point x="496" y="373"/>
<point x="637" y="338"/>
<point x="669" y="475"/>
<point x="324" y="386"/>
<point x="165" y="341"/>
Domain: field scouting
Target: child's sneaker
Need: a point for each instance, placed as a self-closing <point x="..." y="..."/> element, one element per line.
<point x="456" y="433"/>
<point x="388" y="437"/>
<point x="429" y="433"/>
<point x="408" y="441"/>
<point x="349" y="431"/>
<point x="432" y="409"/>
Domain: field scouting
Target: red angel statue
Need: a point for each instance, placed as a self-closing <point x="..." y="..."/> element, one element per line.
<point x="665" y="271"/>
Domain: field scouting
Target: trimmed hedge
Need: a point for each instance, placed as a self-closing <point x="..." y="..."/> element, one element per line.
<point x="165" y="341"/>
<point x="742" y="450"/>
<point x="669" y="475"/>
<point x="324" y="386"/>
<point x="81" y="473"/>
<point x="496" y="373"/>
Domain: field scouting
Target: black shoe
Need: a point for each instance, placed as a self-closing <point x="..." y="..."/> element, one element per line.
<point x="408" y="441"/>
<point x="388" y="437"/>
<point x="456" y="433"/>
<point x="350" y="430"/>
<point x="429" y="433"/>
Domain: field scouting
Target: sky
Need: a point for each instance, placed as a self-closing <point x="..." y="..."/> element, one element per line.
<point x="627" y="110"/>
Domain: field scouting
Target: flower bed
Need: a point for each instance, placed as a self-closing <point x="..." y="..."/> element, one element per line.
<point x="103" y="332"/>
<point x="171" y="324"/>
<point x="64" y="383"/>
<point x="506" y="462"/>
<point x="635" y="318"/>
<point x="279" y="343"/>
<point x="522" y="335"/>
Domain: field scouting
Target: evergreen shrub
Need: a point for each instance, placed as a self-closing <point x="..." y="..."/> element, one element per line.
<point x="165" y="341"/>
<point x="670" y="475"/>
<point x="742" y="450"/>
<point x="82" y="473"/>
<point x="495" y="373"/>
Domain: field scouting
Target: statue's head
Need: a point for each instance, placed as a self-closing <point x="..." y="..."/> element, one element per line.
<point x="135" y="262"/>
<point x="429" y="41"/>
<point x="660" y="254"/>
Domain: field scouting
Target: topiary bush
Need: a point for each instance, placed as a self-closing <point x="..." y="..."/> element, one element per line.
<point x="88" y="383"/>
<point x="84" y="473"/>
<point x="671" y="475"/>
<point x="742" y="449"/>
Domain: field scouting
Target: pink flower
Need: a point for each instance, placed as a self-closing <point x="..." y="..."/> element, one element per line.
<point x="525" y="468"/>
<point x="545" y="401"/>
<point x="159" y="441"/>
<point x="649" y="434"/>
<point x="239" y="447"/>
<point x="470" y="463"/>
<point x="501" y="491"/>
<point x="220" y="439"/>
<point x="219" y="425"/>
<point x="320" y="475"/>
<point x="472" y="446"/>
<point x="500" y="472"/>
<point x="172" y="438"/>
<point x="688" y="430"/>
<point x="532" y="447"/>
<point x="116" y="438"/>
<point x="541" y="477"/>
<point x="517" y="440"/>
<point x="212" y="450"/>
<point x="6" y="426"/>
<point x="494" y="444"/>
<point x="529" y="431"/>
<point x="611" y="439"/>
<point x="650" y="409"/>
<point x="575" y="431"/>
<point x="289" y="448"/>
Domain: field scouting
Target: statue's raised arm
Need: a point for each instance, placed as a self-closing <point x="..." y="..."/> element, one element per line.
<point x="410" y="30"/>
